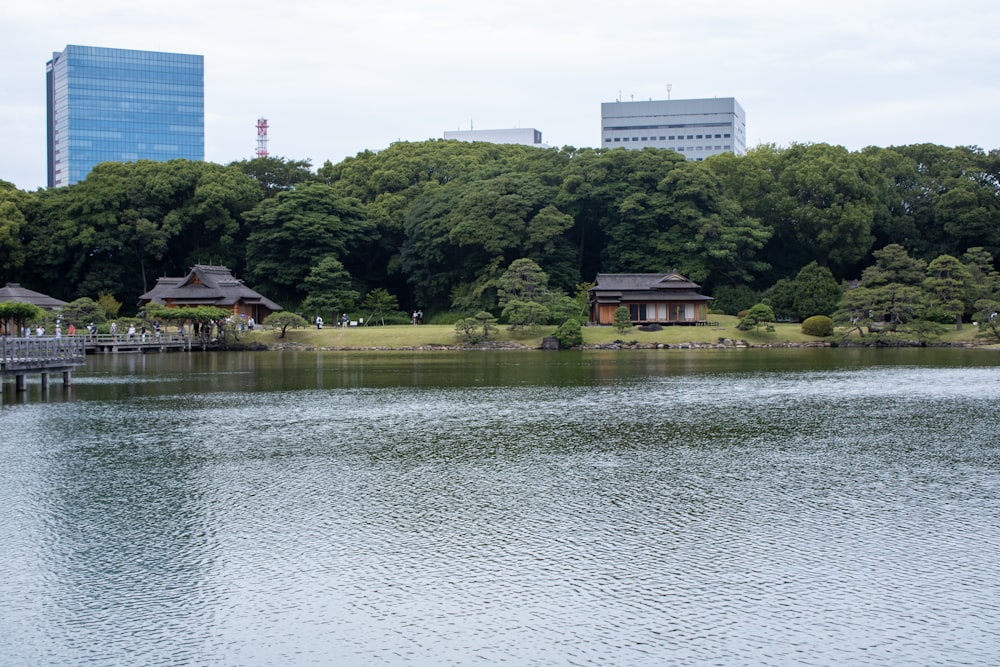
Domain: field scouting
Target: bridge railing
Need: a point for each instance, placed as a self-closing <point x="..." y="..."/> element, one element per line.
<point x="43" y="350"/>
<point x="149" y="339"/>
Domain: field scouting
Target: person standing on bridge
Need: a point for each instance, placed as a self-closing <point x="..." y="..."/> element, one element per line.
<point x="72" y="329"/>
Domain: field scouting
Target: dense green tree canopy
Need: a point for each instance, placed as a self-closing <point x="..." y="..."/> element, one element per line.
<point x="295" y="230"/>
<point x="276" y="174"/>
<point x="437" y="223"/>
<point x="128" y="223"/>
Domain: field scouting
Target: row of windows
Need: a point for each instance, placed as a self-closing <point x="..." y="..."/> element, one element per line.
<point x="75" y="68"/>
<point x="103" y="117"/>
<point x="127" y="90"/>
<point x="97" y="54"/>
<point x="674" y="312"/>
<point x="700" y="125"/>
<point x="156" y="152"/>
<point x="122" y="132"/>
<point x="691" y="149"/>
<point x="673" y="137"/>
<point x="78" y="68"/>
<point x="138" y="74"/>
<point x="160" y="142"/>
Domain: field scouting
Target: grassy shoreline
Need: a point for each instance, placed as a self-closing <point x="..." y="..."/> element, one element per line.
<point x="440" y="336"/>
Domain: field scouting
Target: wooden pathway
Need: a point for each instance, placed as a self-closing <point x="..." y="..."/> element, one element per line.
<point x="44" y="355"/>
<point x="162" y="342"/>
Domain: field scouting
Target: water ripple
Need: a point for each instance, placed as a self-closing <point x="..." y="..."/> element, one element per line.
<point x="812" y="517"/>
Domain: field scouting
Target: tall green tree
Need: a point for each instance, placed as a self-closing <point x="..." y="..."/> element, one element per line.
<point x="889" y="293"/>
<point x="391" y="183"/>
<point x="128" y="223"/>
<point x="12" y="221"/>
<point x="461" y="236"/>
<point x="983" y="280"/>
<point x="827" y="203"/>
<point x="329" y="288"/>
<point x="275" y="174"/>
<point x="378" y="303"/>
<point x="816" y="292"/>
<point x="294" y="230"/>
<point x="947" y="286"/>
<point x="705" y="233"/>
<point x="953" y="201"/>
<point x="523" y="280"/>
<point x="615" y="202"/>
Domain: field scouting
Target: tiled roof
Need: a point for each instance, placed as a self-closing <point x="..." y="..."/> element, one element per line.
<point x="643" y="282"/>
<point x="14" y="292"/>
<point x="205" y="286"/>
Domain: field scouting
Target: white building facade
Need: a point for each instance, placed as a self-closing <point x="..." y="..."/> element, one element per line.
<point x="694" y="128"/>
<point x="525" y="136"/>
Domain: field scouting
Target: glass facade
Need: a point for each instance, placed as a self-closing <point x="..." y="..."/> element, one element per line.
<point x="118" y="105"/>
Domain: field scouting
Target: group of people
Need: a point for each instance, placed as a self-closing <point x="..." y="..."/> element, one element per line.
<point x="417" y="317"/>
<point x="39" y="330"/>
<point x="143" y="330"/>
<point x="343" y="321"/>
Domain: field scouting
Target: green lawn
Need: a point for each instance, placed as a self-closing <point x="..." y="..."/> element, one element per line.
<point x="408" y="335"/>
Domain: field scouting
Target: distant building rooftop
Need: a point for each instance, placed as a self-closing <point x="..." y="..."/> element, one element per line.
<point x="14" y="292"/>
<point x="525" y="136"/>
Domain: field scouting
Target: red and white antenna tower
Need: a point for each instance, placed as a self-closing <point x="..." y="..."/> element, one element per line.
<point x="261" y="137"/>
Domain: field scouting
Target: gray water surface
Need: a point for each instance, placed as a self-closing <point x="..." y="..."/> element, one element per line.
<point x="526" y="508"/>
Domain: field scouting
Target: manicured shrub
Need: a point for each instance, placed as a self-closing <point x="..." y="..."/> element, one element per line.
<point x="817" y="325"/>
<point x="623" y="320"/>
<point x="569" y="334"/>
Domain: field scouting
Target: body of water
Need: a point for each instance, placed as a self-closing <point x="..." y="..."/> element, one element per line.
<point x="526" y="508"/>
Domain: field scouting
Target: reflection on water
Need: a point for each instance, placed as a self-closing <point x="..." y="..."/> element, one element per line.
<point x="821" y="506"/>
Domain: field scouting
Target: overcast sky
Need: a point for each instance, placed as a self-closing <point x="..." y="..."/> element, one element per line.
<point x="335" y="78"/>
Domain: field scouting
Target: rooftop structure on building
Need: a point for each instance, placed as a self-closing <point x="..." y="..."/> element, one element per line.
<point x="525" y="136"/>
<point x="14" y="292"/>
<point x="215" y="286"/>
<point x="694" y="128"/>
<point x="119" y="105"/>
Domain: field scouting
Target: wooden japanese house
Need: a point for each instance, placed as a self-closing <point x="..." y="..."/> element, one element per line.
<point x="660" y="298"/>
<point x="210" y="286"/>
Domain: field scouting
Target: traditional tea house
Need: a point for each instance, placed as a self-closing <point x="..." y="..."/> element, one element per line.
<point x="661" y="298"/>
<point x="210" y="286"/>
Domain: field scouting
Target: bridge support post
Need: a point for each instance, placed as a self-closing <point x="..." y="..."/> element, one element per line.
<point x="19" y="382"/>
<point x="45" y="381"/>
<point x="67" y="378"/>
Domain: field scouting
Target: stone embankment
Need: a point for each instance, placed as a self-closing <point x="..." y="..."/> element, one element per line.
<point x="491" y="345"/>
<point x="727" y="343"/>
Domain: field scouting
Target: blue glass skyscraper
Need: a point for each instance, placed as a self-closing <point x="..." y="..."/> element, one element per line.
<point x="118" y="105"/>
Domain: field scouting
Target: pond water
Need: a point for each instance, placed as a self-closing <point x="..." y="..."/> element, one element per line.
<point x="528" y="508"/>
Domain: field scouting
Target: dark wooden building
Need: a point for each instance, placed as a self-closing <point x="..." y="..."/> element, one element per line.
<point x="661" y="298"/>
<point x="210" y="286"/>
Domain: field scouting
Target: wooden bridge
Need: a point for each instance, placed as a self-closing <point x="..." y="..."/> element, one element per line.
<point x="150" y="342"/>
<point x="45" y="355"/>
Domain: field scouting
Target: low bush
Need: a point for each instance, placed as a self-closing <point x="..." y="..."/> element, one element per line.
<point x="569" y="334"/>
<point x="817" y="325"/>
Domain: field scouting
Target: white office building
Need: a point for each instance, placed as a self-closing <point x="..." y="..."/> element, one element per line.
<point x="525" y="136"/>
<point x="694" y="128"/>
